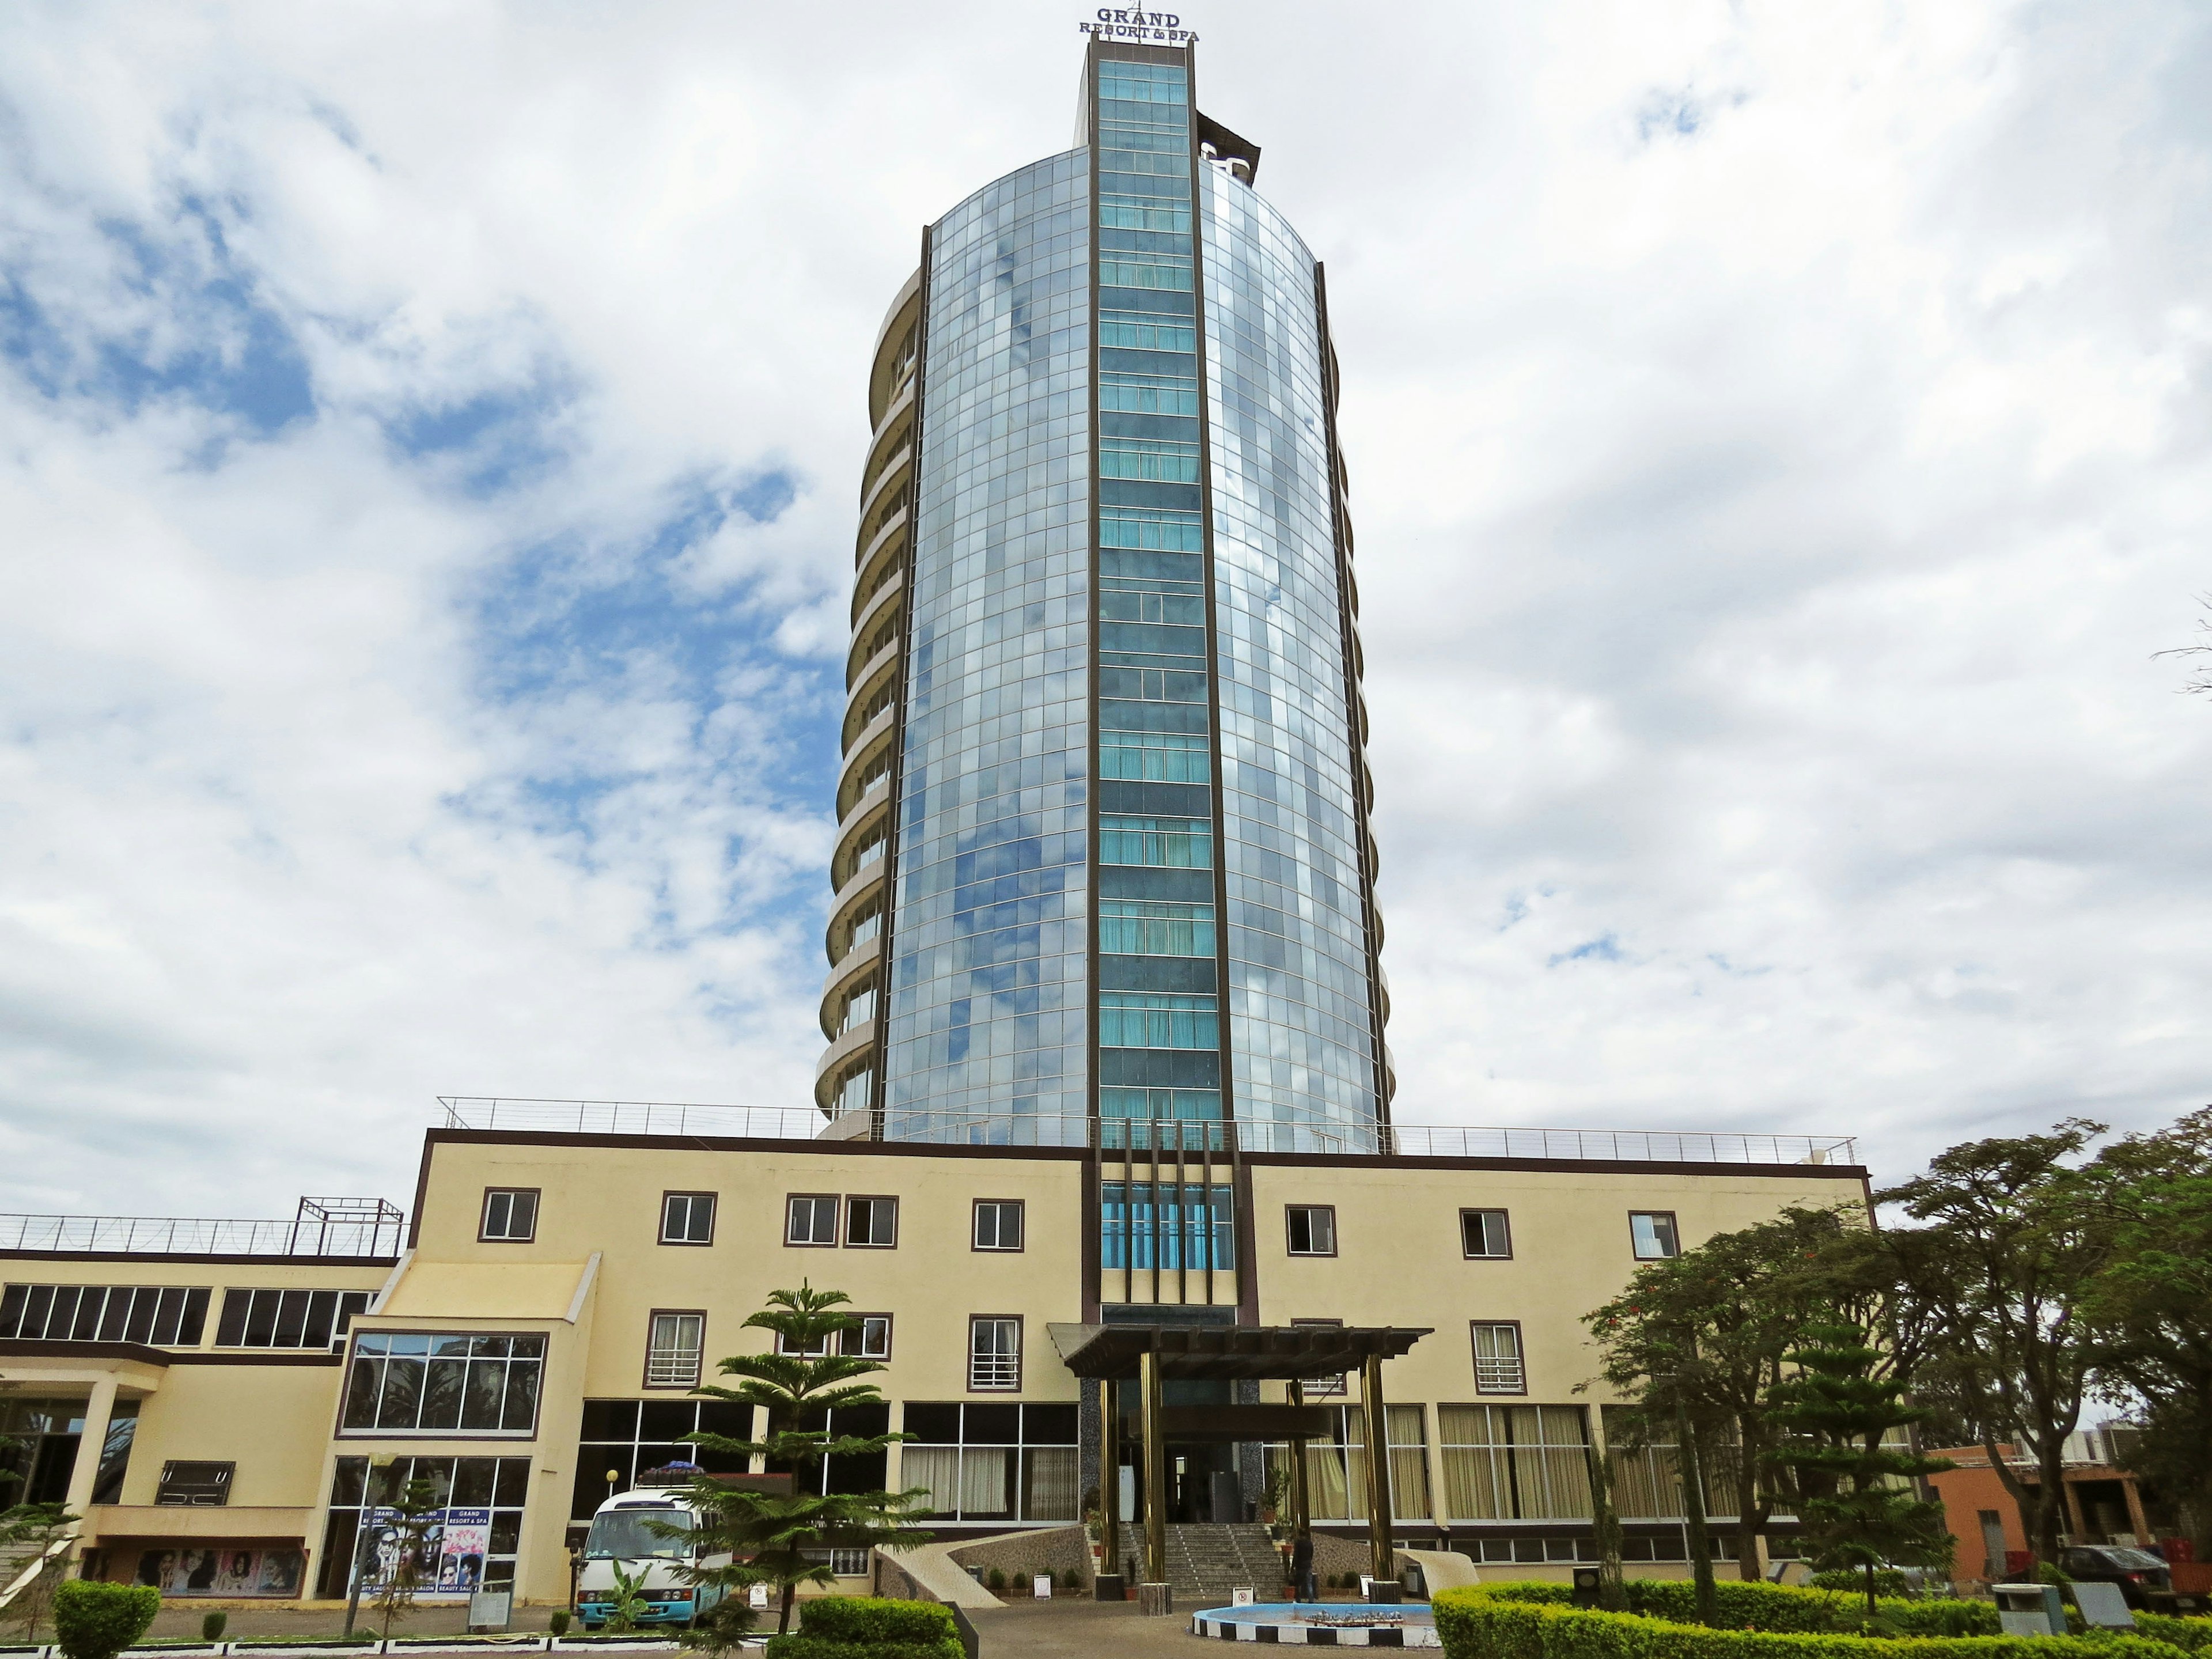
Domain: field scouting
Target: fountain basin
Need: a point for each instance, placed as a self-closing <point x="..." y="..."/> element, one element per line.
<point x="1321" y="1624"/>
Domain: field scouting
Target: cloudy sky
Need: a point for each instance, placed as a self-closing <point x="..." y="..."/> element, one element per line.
<point x="1780" y="438"/>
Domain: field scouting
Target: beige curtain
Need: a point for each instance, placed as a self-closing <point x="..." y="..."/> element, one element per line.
<point x="1048" y="1484"/>
<point x="1472" y="1440"/>
<point x="1551" y="1462"/>
<point x="937" y="1468"/>
<point x="983" y="1485"/>
<point x="1409" y="1462"/>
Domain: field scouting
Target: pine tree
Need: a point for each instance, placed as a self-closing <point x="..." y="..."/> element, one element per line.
<point x="1857" y="1503"/>
<point x="797" y="1382"/>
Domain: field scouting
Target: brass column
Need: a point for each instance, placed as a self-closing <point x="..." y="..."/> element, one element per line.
<point x="1155" y="1471"/>
<point x="1301" y="1500"/>
<point x="1110" y="1476"/>
<point x="1378" y="1466"/>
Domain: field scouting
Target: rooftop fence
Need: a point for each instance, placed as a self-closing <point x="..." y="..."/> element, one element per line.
<point x="355" y="1227"/>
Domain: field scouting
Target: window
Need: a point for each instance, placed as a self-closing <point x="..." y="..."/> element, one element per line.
<point x="287" y="1319"/>
<point x="994" y="1462"/>
<point x="1313" y="1230"/>
<point x="672" y="1349"/>
<point x="812" y="1219"/>
<point x="818" y="1349"/>
<point x="1484" y="1235"/>
<point x="485" y="1492"/>
<point x="687" y="1218"/>
<point x="1143" y="927"/>
<point x="1156" y="1019"/>
<point x="872" y="1222"/>
<point x="1497" y="1368"/>
<point x="1515" y="1463"/>
<point x="871" y="1340"/>
<point x="995" y="1354"/>
<point x="162" y="1316"/>
<point x="510" y="1215"/>
<point x="1336" y="1466"/>
<point x="1317" y="1387"/>
<point x="196" y="1485"/>
<point x="407" y="1383"/>
<point x="1142" y="1222"/>
<point x="848" y="1564"/>
<point x="998" y="1223"/>
<point x="1653" y="1231"/>
<point x="1159" y="843"/>
<point x="626" y="1438"/>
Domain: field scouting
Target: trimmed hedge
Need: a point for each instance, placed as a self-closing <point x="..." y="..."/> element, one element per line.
<point x="1778" y="1608"/>
<point x="869" y="1627"/>
<point x="94" y="1620"/>
<point x="2193" y="1634"/>
<point x="1479" y="1622"/>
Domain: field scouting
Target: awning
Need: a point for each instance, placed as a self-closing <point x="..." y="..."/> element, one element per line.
<point x="1232" y="1352"/>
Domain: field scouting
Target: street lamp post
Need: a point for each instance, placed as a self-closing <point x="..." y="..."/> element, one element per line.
<point x="361" y="1535"/>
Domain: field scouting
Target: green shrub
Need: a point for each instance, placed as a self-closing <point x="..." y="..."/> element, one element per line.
<point x="1852" y="1581"/>
<point x="1479" y="1622"/>
<point x="2193" y="1634"/>
<point x="1071" y="1580"/>
<point x="97" y="1620"/>
<point x="803" y="1646"/>
<point x="212" y="1626"/>
<point x="558" y="1624"/>
<point x="995" y="1580"/>
<point x="849" y="1626"/>
<point x="1779" y="1608"/>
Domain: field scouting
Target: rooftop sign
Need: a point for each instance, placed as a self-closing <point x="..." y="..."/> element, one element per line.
<point x="1163" y="28"/>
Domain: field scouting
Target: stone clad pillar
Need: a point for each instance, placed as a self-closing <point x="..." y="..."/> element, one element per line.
<point x="1110" y="1477"/>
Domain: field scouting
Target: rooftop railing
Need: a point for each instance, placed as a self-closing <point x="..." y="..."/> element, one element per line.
<point x="1030" y="1129"/>
<point x="354" y="1228"/>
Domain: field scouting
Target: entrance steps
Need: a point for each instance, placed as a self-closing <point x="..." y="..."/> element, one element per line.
<point x="1205" y="1562"/>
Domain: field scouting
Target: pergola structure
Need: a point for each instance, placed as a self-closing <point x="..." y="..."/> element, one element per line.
<point x="1149" y="1355"/>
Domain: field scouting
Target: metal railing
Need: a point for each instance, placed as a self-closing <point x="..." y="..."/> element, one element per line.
<point x="1043" y="1129"/>
<point x="355" y="1227"/>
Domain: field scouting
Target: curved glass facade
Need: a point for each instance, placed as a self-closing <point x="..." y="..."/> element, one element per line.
<point x="1101" y="855"/>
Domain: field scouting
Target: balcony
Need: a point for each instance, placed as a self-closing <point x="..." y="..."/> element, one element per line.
<point x="351" y="1228"/>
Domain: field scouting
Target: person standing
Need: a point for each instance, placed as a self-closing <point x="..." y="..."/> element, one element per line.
<point x="1302" y="1574"/>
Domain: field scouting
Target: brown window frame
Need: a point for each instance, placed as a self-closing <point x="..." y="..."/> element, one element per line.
<point x="890" y="1331"/>
<point x="646" y="1372"/>
<point x="975" y="1216"/>
<point x="1021" y="1352"/>
<point x="1485" y="1209"/>
<point x="714" y="1217"/>
<point x="837" y="1216"/>
<point x="1290" y="1249"/>
<point x="1674" y="1225"/>
<point x="484" y="1215"/>
<point x="1521" y="1352"/>
<point x="1336" y="1386"/>
<point x="846" y="1216"/>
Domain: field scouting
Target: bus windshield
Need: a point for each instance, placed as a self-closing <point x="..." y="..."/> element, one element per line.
<point x="628" y="1534"/>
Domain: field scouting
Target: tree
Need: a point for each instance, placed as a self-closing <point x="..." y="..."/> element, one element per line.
<point x="1997" y="1269"/>
<point x="776" y="1540"/>
<point x="1703" y="1337"/>
<point x="2149" y="1303"/>
<point x="40" y="1526"/>
<point x="401" y="1552"/>
<point x="1855" y="1499"/>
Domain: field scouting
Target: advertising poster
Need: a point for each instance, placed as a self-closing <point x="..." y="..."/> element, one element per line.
<point x="462" y="1541"/>
<point x="197" y="1571"/>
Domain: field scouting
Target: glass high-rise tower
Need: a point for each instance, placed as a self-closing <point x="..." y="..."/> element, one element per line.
<point x="1103" y="853"/>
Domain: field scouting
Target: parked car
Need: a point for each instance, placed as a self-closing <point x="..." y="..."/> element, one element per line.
<point x="2137" y="1573"/>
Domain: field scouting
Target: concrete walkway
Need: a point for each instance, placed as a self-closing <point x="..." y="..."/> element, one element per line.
<point x="1067" y="1628"/>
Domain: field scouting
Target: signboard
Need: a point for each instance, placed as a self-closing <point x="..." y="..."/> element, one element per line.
<point x="1152" y="28"/>
<point x="463" y="1538"/>
<point x="490" y="1609"/>
<point x="197" y="1571"/>
<point x="1241" y="1597"/>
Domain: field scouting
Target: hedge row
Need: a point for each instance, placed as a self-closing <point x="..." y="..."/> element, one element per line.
<point x="1779" y="1608"/>
<point x="1479" y="1622"/>
<point x="869" y="1627"/>
<point x="2194" y="1634"/>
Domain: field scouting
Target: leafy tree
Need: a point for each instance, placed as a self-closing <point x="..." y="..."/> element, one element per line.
<point x="1856" y="1501"/>
<point x="1704" y="1337"/>
<point x="1996" y="1270"/>
<point x="2149" y="1303"/>
<point x="776" y="1540"/>
<point x="39" y="1527"/>
<point x="416" y="1512"/>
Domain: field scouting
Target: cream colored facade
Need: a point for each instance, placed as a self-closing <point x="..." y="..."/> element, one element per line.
<point x="593" y="1272"/>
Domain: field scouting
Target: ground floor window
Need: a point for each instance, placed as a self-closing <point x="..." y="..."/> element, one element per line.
<point x="193" y="1566"/>
<point x="1002" y="1461"/>
<point x="1515" y="1463"/>
<point x="861" y="1471"/>
<point x="472" y="1540"/>
<point x="622" y="1439"/>
<point x="1336" y="1468"/>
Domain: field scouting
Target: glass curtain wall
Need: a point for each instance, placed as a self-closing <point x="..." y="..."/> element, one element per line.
<point x="988" y="1010"/>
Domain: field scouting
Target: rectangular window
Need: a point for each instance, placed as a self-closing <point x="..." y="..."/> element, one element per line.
<point x="1312" y="1229"/>
<point x="1160" y="529"/>
<point x="1148" y="460"/>
<point x="1155" y="758"/>
<point x="819" y="1349"/>
<point x="848" y="1564"/>
<point x="994" y="1462"/>
<point x="1156" y="843"/>
<point x="687" y="1218"/>
<point x="1653" y="1235"/>
<point x="1148" y="394"/>
<point x="1497" y="1368"/>
<point x="872" y="1222"/>
<point x="1320" y="1387"/>
<point x="422" y="1383"/>
<point x="1515" y="1463"/>
<point x="287" y="1319"/>
<point x="1150" y="1019"/>
<point x="810" y="1218"/>
<point x="486" y="1492"/>
<point x="872" y="1339"/>
<point x="994" y="1355"/>
<point x="195" y="1485"/>
<point x="1142" y="927"/>
<point x="672" y="1350"/>
<point x="1484" y="1235"/>
<point x="154" y="1315"/>
<point x="628" y="1437"/>
<point x="1336" y="1468"/>
<point x="510" y="1215"/>
<point x="1142" y="1222"/>
<point x="998" y="1223"/>
<point x="1647" y="1483"/>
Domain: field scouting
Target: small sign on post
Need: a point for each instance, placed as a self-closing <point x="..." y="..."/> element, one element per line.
<point x="1040" y="1586"/>
<point x="488" y="1609"/>
<point x="1241" y="1596"/>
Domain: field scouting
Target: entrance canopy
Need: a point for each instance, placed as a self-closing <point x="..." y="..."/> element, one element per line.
<point x="1230" y="1352"/>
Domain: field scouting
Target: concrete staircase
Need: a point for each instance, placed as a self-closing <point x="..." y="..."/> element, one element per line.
<point x="1205" y="1562"/>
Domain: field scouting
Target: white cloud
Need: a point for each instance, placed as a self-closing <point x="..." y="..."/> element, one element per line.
<point x="1778" y="442"/>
